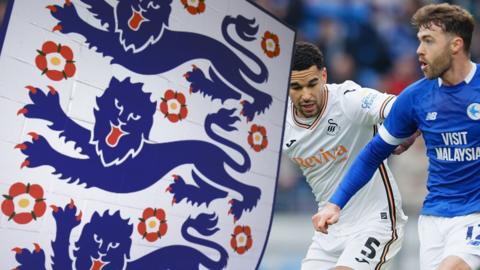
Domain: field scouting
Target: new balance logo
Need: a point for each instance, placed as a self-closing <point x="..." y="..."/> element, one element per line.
<point x="290" y="143"/>
<point x="431" y="116"/>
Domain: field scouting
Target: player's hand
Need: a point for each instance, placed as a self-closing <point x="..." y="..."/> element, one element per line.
<point x="406" y="144"/>
<point x="328" y="215"/>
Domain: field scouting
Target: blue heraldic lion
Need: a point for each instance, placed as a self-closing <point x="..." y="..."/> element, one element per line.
<point x="105" y="243"/>
<point x="118" y="157"/>
<point x="135" y="34"/>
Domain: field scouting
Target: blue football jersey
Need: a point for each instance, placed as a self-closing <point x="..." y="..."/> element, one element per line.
<point x="449" y="119"/>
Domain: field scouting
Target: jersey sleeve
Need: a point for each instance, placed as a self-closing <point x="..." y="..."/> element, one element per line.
<point x="401" y="121"/>
<point x="365" y="106"/>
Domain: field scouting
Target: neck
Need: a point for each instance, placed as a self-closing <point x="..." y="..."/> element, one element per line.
<point x="457" y="73"/>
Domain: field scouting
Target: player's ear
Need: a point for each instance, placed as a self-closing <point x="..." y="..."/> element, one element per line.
<point x="456" y="45"/>
<point x="324" y="75"/>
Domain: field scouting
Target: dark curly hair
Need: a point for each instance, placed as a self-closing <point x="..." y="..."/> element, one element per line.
<point x="306" y="55"/>
<point x="451" y="18"/>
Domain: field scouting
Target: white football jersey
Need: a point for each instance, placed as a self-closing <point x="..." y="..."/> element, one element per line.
<point x="325" y="148"/>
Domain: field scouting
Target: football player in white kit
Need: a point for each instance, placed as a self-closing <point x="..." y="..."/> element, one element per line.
<point x="326" y="127"/>
<point x="445" y="107"/>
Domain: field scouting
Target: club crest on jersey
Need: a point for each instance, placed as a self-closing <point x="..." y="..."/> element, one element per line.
<point x="333" y="128"/>
<point x="473" y="111"/>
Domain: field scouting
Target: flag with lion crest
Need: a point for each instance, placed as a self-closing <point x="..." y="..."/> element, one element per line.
<point x="139" y="134"/>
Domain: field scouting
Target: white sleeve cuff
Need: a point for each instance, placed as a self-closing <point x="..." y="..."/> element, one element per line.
<point x="388" y="138"/>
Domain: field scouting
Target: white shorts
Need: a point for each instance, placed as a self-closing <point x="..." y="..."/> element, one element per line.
<point x="441" y="237"/>
<point x="369" y="249"/>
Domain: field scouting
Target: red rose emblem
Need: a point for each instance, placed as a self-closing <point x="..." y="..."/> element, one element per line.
<point x="270" y="44"/>
<point x="173" y="106"/>
<point x="55" y="61"/>
<point x="194" y="6"/>
<point x="241" y="239"/>
<point x="24" y="203"/>
<point x="257" y="138"/>
<point x="153" y="224"/>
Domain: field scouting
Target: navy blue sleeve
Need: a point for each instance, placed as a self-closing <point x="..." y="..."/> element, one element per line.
<point x="362" y="170"/>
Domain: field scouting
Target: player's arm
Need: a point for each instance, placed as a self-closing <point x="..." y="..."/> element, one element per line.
<point x="406" y="144"/>
<point x="362" y="170"/>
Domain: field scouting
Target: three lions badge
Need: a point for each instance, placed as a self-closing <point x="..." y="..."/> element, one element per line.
<point x="139" y="134"/>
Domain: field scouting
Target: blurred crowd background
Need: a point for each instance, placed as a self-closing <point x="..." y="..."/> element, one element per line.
<point x="372" y="43"/>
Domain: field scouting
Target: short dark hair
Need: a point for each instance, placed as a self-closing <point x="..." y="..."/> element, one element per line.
<point x="451" y="18"/>
<point x="306" y="55"/>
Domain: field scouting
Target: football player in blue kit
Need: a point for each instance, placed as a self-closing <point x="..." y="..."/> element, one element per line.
<point x="445" y="107"/>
